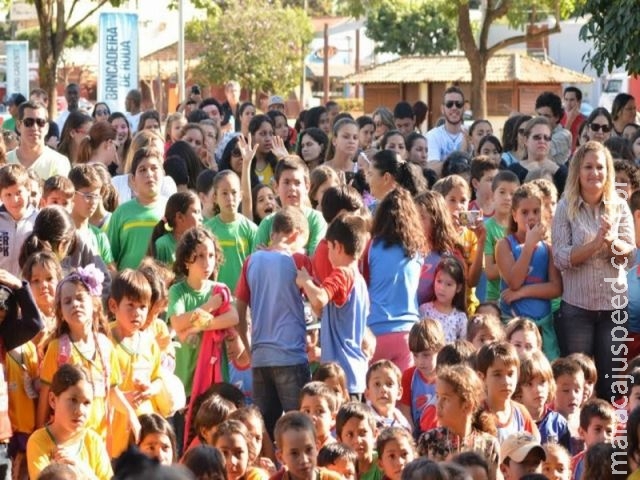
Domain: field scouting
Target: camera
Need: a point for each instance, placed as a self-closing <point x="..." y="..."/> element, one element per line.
<point x="469" y="218"/>
<point x="195" y="90"/>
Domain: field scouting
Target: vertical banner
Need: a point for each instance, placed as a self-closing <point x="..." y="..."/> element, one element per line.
<point x="17" y="67"/>
<point x="118" y="62"/>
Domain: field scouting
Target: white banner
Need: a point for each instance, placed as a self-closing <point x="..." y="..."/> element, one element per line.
<point x="118" y="47"/>
<point x="17" y="67"/>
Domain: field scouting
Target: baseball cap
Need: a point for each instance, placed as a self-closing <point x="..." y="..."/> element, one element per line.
<point x="518" y="445"/>
<point x="15" y="99"/>
<point x="276" y="100"/>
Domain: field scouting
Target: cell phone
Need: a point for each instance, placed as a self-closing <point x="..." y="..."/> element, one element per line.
<point x="469" y="217"/>
<point x="195" y="90"/>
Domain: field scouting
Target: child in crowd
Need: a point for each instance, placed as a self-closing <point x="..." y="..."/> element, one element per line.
<point x="131" y="225"/>
<point x="334" y="376"/>
<point x="395" y="448"/>
<point x="264" y="203"/>
<point x="498" y="364"/>
<point x="449" y="307"/>
<point x="590" y="374"/>
<point x="483" y="171"/>
<point x="523" y="334"/>
<point x="471" y="236"/>
<point x="278" y="328"/>
<point x="356" y="428"/>
<point x="156" y="439"/>
<point x="204" y="189"/>
<point x="57" y="190"/>
<point x="597" y="424"/>
<point x="384" y="388"/>
<point x="296" y="449"/>
<point x="321" y="179"/>
<point x="418" y="400"/>
<point x="231" y="438"/>
<point x="569" y="379"/>
<point x="484" y="329"/>
<point x="181" y="213"/>
<point x="292" y="185"/>
<point x="489" y="308"/>
<point x="463" y="426"/>
<point x="319" y="402"/>
<point x="340" y="459"/>
<point x="205" y="462"/>
<point x="521" y="454"/>
<point x="235" y="232"/>
<point x="557" y="464"/>
<point x="68" y="438"/>
<point x="529" y="278"/>
<point x="173" y="129"/>
<point x="599" y="463"/>
<point x="536" y="390"/>
<point x="342" y="300"/>
<point x="503" y="185"/>
<point x="210" y="412"/>
<point x="456" y="353"/>
<point x="137" y="354"/>
<point x="261" y="449"/>
<point x="87" y="185"/>
<point x="474" y="464"/>
<point x="17" y="216"/>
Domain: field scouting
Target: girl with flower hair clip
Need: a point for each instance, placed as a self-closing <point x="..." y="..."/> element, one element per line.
<point x="81" y="339"/>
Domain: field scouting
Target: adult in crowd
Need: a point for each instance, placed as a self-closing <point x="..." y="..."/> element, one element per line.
<point x="75" y="129"/>
<point x="592" y="234"/>
<point x="118" y="120"/>
<point x="537" y="163"/>
<point x="32" y="151"/>
<point x="573" y="118"/>
<point x="72" y="96"/>
<point x="232" y="103"/>
<point x="623" y="111"/>
<point x="13" y="102"/>
<point x="133" y="106"/>
<point x="513" y="141"/>
<point x="549" y="105"/>
<point x="53" y="135"/>
<point x="450" y="136"/>
<point x="599" y="125"/>
<point x="100" y="112"/>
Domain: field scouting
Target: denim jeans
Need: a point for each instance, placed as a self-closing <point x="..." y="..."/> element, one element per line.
<point x="277" y="389"/>
<point x="589" y="332"/>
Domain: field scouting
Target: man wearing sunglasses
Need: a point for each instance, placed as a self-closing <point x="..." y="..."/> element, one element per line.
<point x="32" y="152"/>
<point x="549" y="105"/>
<point x="450" y="136"/>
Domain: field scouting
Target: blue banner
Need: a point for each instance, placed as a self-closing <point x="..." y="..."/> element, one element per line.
<point x="118" y="62"/>
<point x="17" y="68"/>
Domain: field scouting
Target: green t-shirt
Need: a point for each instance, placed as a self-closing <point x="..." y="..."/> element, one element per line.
<point x="99" y="242"/>
<point x="317" y="229"/>
<point x="166" y="249"/>
<point x="237" y="240"/>
<point x="374" y="473"/>
<point x="130" y="229"/>
<point x="495" y="232"/>
<point x="182" y="299"/>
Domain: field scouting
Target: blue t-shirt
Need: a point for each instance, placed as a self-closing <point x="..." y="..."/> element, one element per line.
<point x="534" y="308"/>
<point x="554" y="428"/>
<point x="393" y="283"/>
<point x="633" y="294"/>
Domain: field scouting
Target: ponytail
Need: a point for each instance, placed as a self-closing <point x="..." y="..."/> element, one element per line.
<point x="159" y="230"/>
<point x="410" y="177"/>
<point x="177" y="203"/>
<point x="33" y="244"/>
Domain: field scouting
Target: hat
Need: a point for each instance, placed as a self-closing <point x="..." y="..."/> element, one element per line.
<point x="518" y="445"/>
<point x="15" y="99"/>
<point x="276" y="100"/>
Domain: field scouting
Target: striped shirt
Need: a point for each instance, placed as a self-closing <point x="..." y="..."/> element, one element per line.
<point x="584" y="285"/>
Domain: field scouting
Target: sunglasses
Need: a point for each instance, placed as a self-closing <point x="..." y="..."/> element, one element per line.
<point x="30" y="122"/>
<point x="102" y="112"/>
<point x="451" y="103"/>
<point x="538" y="136"/>
<point x="596" y="127"/>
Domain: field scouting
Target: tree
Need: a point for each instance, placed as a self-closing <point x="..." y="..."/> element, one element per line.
<point x="84" y="37"/>
<point x="260" y="45"/>
<point x="411" y="28"/>
<point x="55" y="25"/>
<point x="613" y="30"/>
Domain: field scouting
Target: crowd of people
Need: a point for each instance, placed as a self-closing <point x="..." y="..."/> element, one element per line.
<point x="241" y="299"/>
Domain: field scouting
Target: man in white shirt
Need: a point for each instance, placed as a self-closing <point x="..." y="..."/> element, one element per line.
<point x="450" y="136"/>
<point x="132" y="104"/>
<point x="72" y="95"/>
<point x="32" y="152"/>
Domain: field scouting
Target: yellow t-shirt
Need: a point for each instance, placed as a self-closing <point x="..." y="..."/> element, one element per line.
<point x="90" y="451"/>
<point x="469" y="243"/>
<point x="255" y="473"/>
<point x="138" y="358"/>
<point x="160" y="332"/>
<point x="22" y="366"/>
<point x="98" y="418"/>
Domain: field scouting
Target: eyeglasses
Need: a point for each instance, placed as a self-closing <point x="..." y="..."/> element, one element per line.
<point x="30" y="122"/>
<point x="89" y="196"/>
<point x="102" y="112"/>
<point x="451" y="103"/>
<point x="538" y="136"/>
<point x="596" y="127"/>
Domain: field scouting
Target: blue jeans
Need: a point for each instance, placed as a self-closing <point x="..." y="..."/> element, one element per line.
<point x="589" y="332"/>
<point x="277" y="389"/>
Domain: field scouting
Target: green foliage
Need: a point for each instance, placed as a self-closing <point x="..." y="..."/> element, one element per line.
<point x="259" y="45"/>
<point x="314" y="7"/>
<point x="84" y="37"/>
<point x="413" y="28"/>
<point x="358" y="8"/>
<point x="613" y="29"/>
<point x="350" y="104"/>
<point x="523" y="12"/>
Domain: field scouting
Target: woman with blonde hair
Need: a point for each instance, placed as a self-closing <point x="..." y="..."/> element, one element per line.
<point x="593" y="238"/>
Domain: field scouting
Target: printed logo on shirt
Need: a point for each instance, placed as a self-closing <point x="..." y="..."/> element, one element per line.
<point x="4" y="244"/>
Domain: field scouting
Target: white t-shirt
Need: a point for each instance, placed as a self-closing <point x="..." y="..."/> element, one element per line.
<point x="134" y="120"/>
<point x="48" y="164"/>
<point x="441" y="143"/>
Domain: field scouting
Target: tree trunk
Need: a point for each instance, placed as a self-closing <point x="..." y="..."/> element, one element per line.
<point x="478" y="65"/>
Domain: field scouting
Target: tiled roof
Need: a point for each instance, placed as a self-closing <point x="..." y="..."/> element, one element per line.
<point x="506" y="67"/>
<point x="335" y="71"/>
